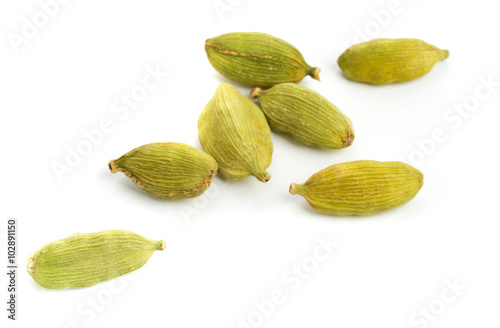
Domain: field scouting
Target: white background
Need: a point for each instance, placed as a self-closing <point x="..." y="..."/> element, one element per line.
<point x="232" y="246"/>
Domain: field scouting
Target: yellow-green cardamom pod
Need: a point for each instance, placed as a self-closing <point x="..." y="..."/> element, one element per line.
<point x="306" y="115"/>
<point x="360" y="187"/>
<point x="235" y="132"/>
<point x="257" y="59"/>
<point x="85" y="259"/>
<point x="168" y="170"/>
<point x="383" y="61"/>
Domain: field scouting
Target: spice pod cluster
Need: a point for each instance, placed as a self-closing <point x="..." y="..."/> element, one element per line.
<point x="235" y="134"/>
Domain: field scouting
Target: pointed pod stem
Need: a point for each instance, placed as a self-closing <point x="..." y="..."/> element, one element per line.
<point x="262" y="175"/>
<point x="296" y="188"/>
<point x="112" y="167"/>
<point x="445" y="54"/>
<point x="314" y="73"/>
<point x="255" y="92"/>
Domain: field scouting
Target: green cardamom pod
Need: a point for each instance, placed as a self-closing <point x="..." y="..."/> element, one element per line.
<point x="168" y="170"/>
<point x="86" y="259"/>
<point x="306" y="115"/>
<point x="383" y="61"/>
<point x="257" y="59"/>
<point x="360" y="187"/>
<point x="235" y="132"/>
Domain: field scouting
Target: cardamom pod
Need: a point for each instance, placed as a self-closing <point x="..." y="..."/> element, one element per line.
<point x="235" y="132"/>
<point x="257" y="59"/>
<point x="306" y="115"/>
<point x="85" y="259"/>
<point x="360" y="187"/>
<point x="168" y="170"/>
<point x="383" y="61"/>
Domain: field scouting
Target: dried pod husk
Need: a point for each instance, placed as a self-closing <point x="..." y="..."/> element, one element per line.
<point x="168" y="170"/>
<point x="383" y="61"/>
<point x="85" y="259"/>
<point x="257" y="59"/>
<point x="306" y="115"/>
<point x="235" y="132"/>
<point x="360" y="187"/>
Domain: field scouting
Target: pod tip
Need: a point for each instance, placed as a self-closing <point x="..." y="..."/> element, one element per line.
<point x="314" y="73"/>
<point x="255" y="92"/>
<point x="348" y="139"/>
<point x="30" y="267"/>
<point x="112" y="166"/>
<point x="446" y="54"/>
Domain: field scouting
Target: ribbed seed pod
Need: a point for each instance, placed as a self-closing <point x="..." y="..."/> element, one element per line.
<point x="168" y="170"/>
<point x="383" y="61"/>
<point x="306" y="115"/>
<point x="360" y="187"/>
<point x="235" y="132"/>
<point x="85" y="259"/>
<point x="257" y="59"/>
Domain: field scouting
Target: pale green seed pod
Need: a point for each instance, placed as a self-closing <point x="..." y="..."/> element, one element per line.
<point x="168" y="170"/>
<point x="86" y="259"/>
<point x="383" y="61"/>
<point x="257" y="59"/>
<point x="305" y="115"/>
<point x="235" y="132"/>
<point x="360" y="187"/>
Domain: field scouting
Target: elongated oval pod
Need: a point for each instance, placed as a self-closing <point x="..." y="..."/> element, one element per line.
<point x="360" y="187"/>
<point x="235" y="132"/>
<point x="257" y="59"/>
<point x="383" y="61"/>
<point x="85" y="259"/>
<point x="305" y="115"/>
<point x="168" y="170"/>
